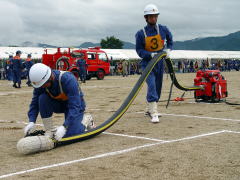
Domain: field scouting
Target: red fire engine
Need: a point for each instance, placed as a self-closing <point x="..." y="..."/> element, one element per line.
<point x="98" y="64"/>
<point x="214" y="86"/>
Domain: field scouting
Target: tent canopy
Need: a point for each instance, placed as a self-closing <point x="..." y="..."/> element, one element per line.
<point x="128" y="54"/>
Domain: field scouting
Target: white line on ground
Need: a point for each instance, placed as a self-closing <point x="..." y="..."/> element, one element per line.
<point x="176" y="115"/>
<point x="80" y="160"/>
<point x="10" y="85"/>
<point x="137" y="137"/>
<point x="95" y="86"/>
<point x="108" y="133"/>
<point x="167" y="141"/>
<point x="6" y="121"/>
<point x="14" y="92"/>
<point x="199" y="117"/>
<point x="122" y="135"/>
<point x="236" y="132"/>
<point x="202" y="103"/>
<point x="197" y="136"/>
<point x="18" y="122"/>
<point x="109" y="154"/>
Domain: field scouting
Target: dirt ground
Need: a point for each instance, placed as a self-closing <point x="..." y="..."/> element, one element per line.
<point x="193" y="140"/>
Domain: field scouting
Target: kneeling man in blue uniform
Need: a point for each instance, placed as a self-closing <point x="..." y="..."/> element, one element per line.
<point x="57" y="92"/>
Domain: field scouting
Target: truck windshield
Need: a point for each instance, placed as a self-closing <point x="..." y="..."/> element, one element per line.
<point x="102" y="56"/>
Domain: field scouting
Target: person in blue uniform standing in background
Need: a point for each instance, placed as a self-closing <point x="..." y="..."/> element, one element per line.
<point x="82" y="66"/>
<point x="57" y="92"/>
<point x="149" y="41"/>
<point x="28" y="65"/>
<point x="17" y="66"/>
<point x="8" y="68"/>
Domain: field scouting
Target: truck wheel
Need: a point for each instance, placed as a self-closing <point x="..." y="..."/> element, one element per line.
<point x="62" y="63"/>
<point x="100" y="74"/>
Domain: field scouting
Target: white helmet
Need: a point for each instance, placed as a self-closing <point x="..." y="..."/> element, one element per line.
<point x="151" y="9"/>
<point x="39" y="74"/>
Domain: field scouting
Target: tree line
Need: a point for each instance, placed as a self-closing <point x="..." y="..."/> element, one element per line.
<point x="111" y="43"/>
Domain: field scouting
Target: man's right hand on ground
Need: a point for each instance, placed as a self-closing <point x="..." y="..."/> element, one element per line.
<point x="29" y="128"/>
<point x="60" y="132"/>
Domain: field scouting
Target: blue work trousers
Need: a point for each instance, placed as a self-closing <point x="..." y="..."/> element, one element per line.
<point x="154" y="82"/>
<point x="48" y="106"/>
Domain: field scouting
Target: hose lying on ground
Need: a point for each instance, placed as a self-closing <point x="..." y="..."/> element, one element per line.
<point x="30" y="145"/>
<point x="128" y="101"/>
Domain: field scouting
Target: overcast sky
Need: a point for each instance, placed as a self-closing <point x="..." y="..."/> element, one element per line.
<point x="72" y="22"/>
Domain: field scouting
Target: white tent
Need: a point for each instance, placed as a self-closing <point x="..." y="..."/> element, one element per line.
<point x="34" y="51"/>
<point x="184" y="54"/>
<point x="116" y="54"/>
<point x="129" y="54"/>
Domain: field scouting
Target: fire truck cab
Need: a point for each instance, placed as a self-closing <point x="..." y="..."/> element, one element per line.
<point x="98" y="64"/>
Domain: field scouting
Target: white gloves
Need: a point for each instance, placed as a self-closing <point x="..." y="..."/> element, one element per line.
<point x="88" y="121"/>
<point x="153" y="54"/>
<point x="29" y="128"/>
<point x="168" y="51"/>
<point x="60" y="132"/>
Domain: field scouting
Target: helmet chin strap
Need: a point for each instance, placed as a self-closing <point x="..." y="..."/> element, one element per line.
<point x="50" y="80"/>
<point x="151" y="24"/>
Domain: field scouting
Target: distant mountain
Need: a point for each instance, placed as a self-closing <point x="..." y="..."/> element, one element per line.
<point x="46" y="45"/>
<point x="126" y="45"/>
<point x="89" y="44"/>
<point x="31" y="44"/>
<point x="28" y="44"/>
<point x="230" y="42"/>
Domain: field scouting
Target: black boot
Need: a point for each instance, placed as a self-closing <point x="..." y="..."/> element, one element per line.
<point x="14" y="85"/>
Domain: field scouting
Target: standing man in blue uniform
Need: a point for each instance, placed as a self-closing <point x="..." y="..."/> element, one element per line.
<point x="149" y="41"/>
<point x="28" y="65"/>
<point x="57" y="92"/>
<point x="82" y="66"/>
<point x="17" y="69"/>
<point x="8" y="68"/>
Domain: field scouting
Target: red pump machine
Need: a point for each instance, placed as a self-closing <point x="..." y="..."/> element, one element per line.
<point x="214" y="86"/>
